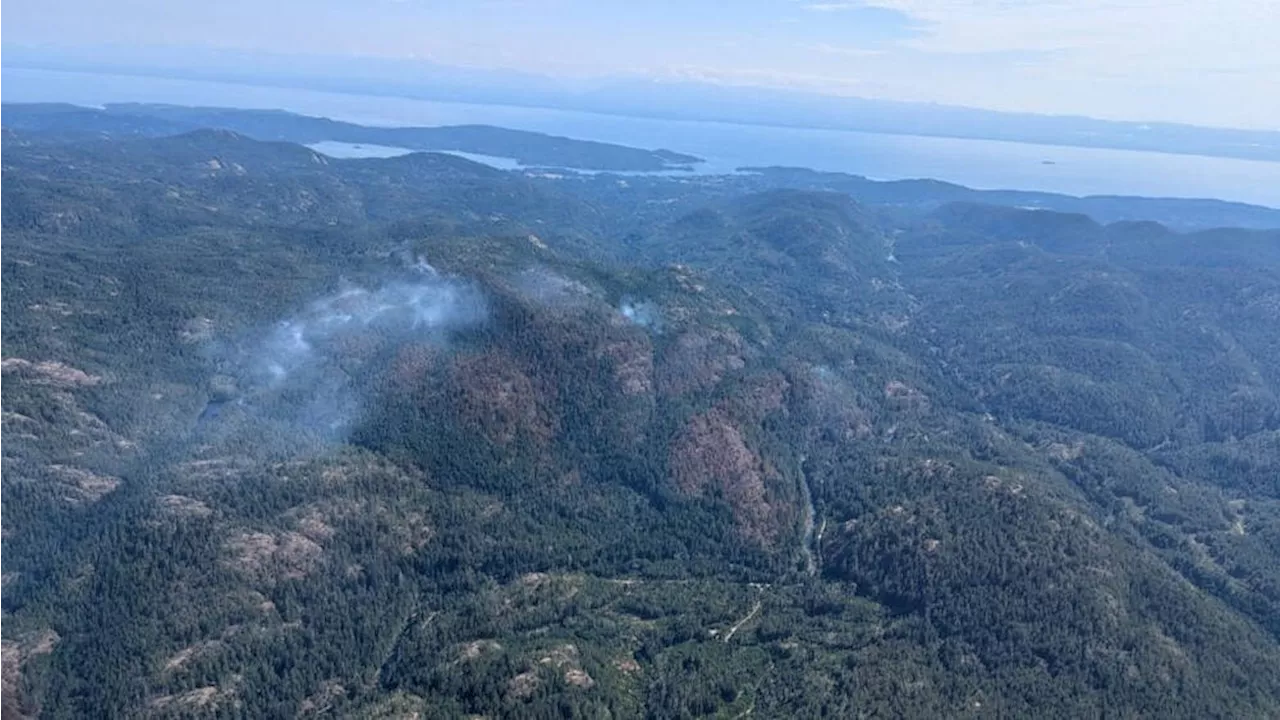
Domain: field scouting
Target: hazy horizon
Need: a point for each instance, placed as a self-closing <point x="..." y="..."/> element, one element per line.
<point x="1126" y="60"/>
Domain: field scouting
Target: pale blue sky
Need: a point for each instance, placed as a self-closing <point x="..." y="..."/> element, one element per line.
<point x="1214" y="63"/>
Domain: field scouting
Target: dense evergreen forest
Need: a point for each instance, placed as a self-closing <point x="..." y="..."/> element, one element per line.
<point x="291" y="436"/>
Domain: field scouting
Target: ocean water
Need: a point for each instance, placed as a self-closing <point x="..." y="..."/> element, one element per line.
<point x="726" y="146"/>
<point x="335" y="149"/>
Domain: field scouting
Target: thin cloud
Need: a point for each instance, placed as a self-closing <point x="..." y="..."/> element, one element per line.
<point x="1172" y="60"/>
<point x="847" y="51"/>
<point x="832" y="6"/>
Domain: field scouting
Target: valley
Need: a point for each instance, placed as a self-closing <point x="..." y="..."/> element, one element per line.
<point x="295" y="435"/>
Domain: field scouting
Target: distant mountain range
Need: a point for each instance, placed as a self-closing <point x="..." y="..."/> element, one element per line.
<point x="528" y="148"/>
<point x="1178" y="213"/>
<point x="70" y="122"/>
<point x="648" y="98"/>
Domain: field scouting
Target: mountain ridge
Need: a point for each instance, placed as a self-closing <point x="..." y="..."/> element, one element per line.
<point x="417" y="435"/>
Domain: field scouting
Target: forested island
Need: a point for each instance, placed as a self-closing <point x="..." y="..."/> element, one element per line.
<point x="288" y="435"/>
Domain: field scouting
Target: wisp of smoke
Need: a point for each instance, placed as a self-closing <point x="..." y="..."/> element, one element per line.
<point x="547" y="287"/>
<point x="644" y="314"/>
<point x="308" y="375"/>
<point x="426" y="309"/>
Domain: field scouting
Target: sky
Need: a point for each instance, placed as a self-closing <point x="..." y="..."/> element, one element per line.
<point x="1213" y="62"/>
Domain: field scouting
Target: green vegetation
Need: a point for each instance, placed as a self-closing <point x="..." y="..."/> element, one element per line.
<point x="718" y="448"/>
<point x="529" y="148"/>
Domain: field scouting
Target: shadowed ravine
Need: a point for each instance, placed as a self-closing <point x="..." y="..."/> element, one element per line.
<point x="810" y="558"/>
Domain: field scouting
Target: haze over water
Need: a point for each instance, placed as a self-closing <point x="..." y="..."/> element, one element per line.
<point x="976" y="163"/>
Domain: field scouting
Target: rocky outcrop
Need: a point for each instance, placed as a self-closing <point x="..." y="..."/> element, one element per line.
<point x="711" y="458"/>
<point x="17" y="653"/>
<point x="632" y="361"/>
<point x="268" y="557"/>
<point x="494" y="397"/>
<point x="698" y="360"/>
<point x="49" y="372"/>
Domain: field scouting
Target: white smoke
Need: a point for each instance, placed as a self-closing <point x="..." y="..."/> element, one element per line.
<point x="546" y="287"/>
<point x="426" y="309"/>
<point x="310" y="372"/>
<point x="421" y="265"/>
<point x="642" y="313"/>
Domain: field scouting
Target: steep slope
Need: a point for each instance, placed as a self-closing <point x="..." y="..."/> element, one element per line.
<point x="758" y="454"/>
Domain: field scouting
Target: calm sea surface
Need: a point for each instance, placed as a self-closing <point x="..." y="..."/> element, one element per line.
<point x="976" y="163"/>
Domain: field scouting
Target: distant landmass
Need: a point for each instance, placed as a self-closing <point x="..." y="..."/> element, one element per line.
<point x="527" y="148"/>
<point x="652" y="99"/>
<point x="288" y="435"/>
<point x="64" y="122"/>
<point x="1185" y="214"/>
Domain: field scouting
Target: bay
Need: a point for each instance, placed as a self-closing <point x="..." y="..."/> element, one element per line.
<point x="983" y="164"/>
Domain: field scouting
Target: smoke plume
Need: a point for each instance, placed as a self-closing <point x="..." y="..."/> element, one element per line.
<point x="312" y="372"/>
<point x="642" y="313"/>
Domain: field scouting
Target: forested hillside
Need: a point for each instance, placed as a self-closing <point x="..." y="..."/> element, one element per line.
<point x="152" y="120"/>
<point x="291" y="436"/>
<point x="899" y="198"/>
